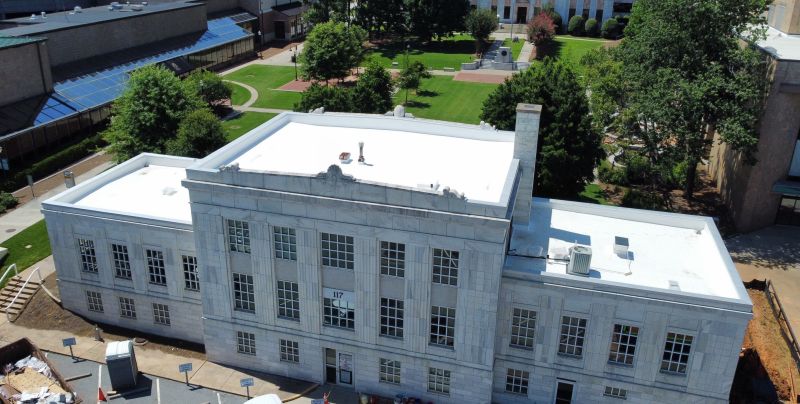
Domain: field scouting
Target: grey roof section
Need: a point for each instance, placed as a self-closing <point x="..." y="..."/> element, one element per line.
<point x="88" y="16"/>
<point x="11" y="42"/>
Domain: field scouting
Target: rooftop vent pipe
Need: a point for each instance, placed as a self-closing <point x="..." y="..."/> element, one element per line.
<point x="360" y="152"/>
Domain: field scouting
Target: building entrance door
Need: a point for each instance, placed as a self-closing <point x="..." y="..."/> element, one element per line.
<point x="522" y="15"/>
<point x="345" y="368"/>
<point x="330" y="366"/>
<point x="564" y="392"/>
<point x="280" y="30"/>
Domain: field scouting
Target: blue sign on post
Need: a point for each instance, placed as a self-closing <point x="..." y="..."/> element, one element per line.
<point x="69" y="341"/>
<point x="246" y="382"/>
<point x="185" y="367"/>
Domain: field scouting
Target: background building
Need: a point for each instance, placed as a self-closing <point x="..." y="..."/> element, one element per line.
<point x="521" y="11"/>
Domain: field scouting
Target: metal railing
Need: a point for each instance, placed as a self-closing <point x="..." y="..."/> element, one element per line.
<point x="34" y="272"/>
<point x="783" y="322"/>
<point x="8" y="271"/>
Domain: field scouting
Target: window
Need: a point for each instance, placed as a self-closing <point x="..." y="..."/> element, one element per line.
<point x="337" y="251"/>
<point x="443" y="325"/>
<point x="285" y="242"/>
<point x="288" y="300"/>
<point x="127" y="308"/>
<point x="615" y="392"/>
<point x="339" y="313"/>
<point x="523" y="328"/>
<point x="122" y="263"/>
<point x="445" y="267"/>
<point x="676" y="353"/>
<point x="88" y="256"/>
<point x="191" y="281"/>
<point x="573" y="332"/>
<point x="161" y="314"/>
<point x="391" y="317"/>
<point x="239" y="236"/>
<point x="623" y="344"/>
<point x="245" y="343"/>
<point x="290" y="351"/>
<point x="389" y="371"/>
<point x="155" y="267"/>
<point x="439" y="381"/>
<point x="95" y="301"/>
<point x="244" y="297"/>
<point x="517" y="381"/>
<point x="393" y="259"/>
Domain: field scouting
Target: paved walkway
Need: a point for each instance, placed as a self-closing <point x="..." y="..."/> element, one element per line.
<point x="526" y="52"/>
<point x="251" y="89"/>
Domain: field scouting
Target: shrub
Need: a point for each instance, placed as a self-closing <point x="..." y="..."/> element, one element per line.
<point x="612" y="175"/>
<point x="541" y="29"/>
<point x="610" y="28"/>
<point x="591" y="28"/>
<point x="7" y="201"/>
<point x="634" y="198"/>
<point x="554" y="15"/>
<point x="61" y="159"/>
<point x="637" y="168"/>
<point x="575" y="26"/>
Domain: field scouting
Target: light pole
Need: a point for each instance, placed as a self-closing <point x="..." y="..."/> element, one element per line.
<point x="294" y="59"/>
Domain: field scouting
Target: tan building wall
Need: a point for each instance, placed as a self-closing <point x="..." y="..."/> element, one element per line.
<point x="29" y="61"/>
<point x="784" y="15"/>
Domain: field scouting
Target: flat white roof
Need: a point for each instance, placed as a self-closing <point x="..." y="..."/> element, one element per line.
<point x="411" y="155"/>
<point x="666" y="251"/>
<point x="780" y="45"/>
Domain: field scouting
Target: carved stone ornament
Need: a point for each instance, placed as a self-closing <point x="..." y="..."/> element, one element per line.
<point x="335" y="174"/>
<point x="452" y="193"/>
<point x="231" y="167"/>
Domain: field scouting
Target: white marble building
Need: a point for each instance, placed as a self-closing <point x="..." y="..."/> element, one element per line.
<point x="426" y="270"/>
<point x="522" y="11"/>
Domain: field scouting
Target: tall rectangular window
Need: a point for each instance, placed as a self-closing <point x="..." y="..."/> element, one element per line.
<point x="155" y="267"/>
<point x="245" y="343"/>
<point x="623" y="344"/>
<point x="443" y="326"/>
<point x="161" y="314"/>
<point x="337" y="251"/>
<point x="191" y="281"/>
<point x="445" y="267"/>
<point x="676" y="353"/>
<point x="393" y="259"/>
<point x="88" y="256"/>
<point x="95" y="301"/>
<point x="523" y="328"/>
<point x="389" y="371"/>
<point x="339" y="313"/>
<point x="290" y="351"/>
<point x="127" y="308"/>
<point x="285" y="242"/>
<point x="391" y="317"/>
<point x="573" y="333"/>
<point x="122" y="262"/>
<point x="288" y="300"/>
<point x="517" y="381"/>
<point x="239" y="236"/>
<point x="439" y="381"/>
<point x="244" y="296"/>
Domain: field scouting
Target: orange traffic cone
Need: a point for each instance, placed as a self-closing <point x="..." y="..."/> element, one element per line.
<point x="101" y="396"/>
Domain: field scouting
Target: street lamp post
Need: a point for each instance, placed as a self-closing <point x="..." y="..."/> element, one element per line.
<point x="294" y="58"/>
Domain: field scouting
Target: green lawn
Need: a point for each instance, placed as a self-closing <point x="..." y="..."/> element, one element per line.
<point x="516" y="47"/>
<point x="34" y="236"/>
<point x="440" y="97"/>
<point x="572" y="49"/>
<point x="436" y="55"/>
<point x="239" y="94"/>
<point x="594" y="194"/>
<point x="244" y="123"/>
<point x="265" y="79"/>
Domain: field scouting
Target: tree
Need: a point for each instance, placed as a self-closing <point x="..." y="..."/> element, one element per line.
<point x="436" y="18"/>
<point x="603" y="76"/>
<point x="331" y="50"/>
<point x="411" y="77"/>
<point x="373" y="91"/>
<point x="687" y="75"/>
<point x="576" y="25"/>
<point x="591" y="27"/>
<point x="481" y="24"/>
<point x="199" y="134"/>
<point x="558" y="21"/>
<point x="148" y="113"/>
<point x="380" y="16"/>
<point x="208" y="86"/>
<point x="332" y="98"/>
<point x="610" y="28"/>
<point x="568" y="147"/>
<point x="322" y="11"/>
<point x="541" y="29"/>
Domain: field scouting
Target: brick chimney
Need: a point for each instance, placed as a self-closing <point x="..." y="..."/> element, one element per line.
<point x="526" y="138"/>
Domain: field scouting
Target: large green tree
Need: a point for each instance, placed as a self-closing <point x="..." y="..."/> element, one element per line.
<point x="481" y="24"/>
<point x="381" y="17"/>
<point x="321" y="11"/>
<point x="373" y="91"/>
<point x="208" y="86"/>
<point x="332" y="50"/>
<point x="199" y="134"/>
<point x="568" y="148"/>
<point x="429" y="19"/>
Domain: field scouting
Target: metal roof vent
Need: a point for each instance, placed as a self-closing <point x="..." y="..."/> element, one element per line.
<point x="580" y="258"/>
<point x="621" y="245"/>
<point x="674" y="285"/>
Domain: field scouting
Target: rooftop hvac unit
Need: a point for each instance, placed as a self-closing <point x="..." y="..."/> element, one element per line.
<point x="580" y="258"/>
<point x="137" y="7"/>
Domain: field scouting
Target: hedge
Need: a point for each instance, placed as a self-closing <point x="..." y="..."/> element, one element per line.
<point x="591" y="28"/>
<point x="575" y="26"/>
<point x="60" y="159"/>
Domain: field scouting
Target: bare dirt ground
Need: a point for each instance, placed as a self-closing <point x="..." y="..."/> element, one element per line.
<point x="44" y="313"/>
<point x="481" y="78"/>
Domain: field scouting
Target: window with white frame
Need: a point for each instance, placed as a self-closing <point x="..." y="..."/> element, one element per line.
<point x="443" y="326"/>
<point x="161" y="314"/>
<point x="439" y="381"/>
<point x="95" y="301"/>
<point x="288" y="300"/>
<point x="127" y="308"/>
<point x="191" y="280"/>
<point x="523" y="328"/>
<point x="155" y="267"/>
<point x="573" y="333"/>
<point x="88" y="256"/>
<point x="676" y="353"/>
<point x="392" y="317"/>
<point x="290" y="351"/>
<point x="122" y="262"/>
<point x="285" y="241"/>
<point x="623" y="344"/>
<point x="615" y="392"/>
<point x="337" y="250"/>
<point x="445" y="267"/>
<point x="244" y="296"/>
<point x="339" y="312"/>
<point x="393" y="259"/>
<point x="245" y="343"/>
<point x="517" y="381"/>
<point x="239" y="236"/>
<point x="389" y="371"/>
